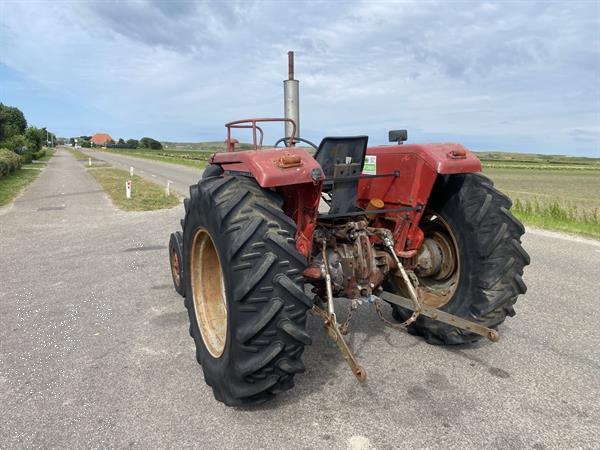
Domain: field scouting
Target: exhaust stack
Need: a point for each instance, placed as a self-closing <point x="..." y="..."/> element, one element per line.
<point x="291" y="99"/>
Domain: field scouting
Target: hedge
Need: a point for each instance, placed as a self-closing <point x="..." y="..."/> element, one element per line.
<point x="9" y="162"/>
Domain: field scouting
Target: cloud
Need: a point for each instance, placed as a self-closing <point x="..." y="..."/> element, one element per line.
<point x="522" y="77"/>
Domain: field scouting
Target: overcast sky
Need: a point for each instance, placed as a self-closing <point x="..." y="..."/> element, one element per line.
<point x="518" y="76"/>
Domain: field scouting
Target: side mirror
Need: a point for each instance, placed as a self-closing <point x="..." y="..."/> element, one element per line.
<point x="398" y="136"/>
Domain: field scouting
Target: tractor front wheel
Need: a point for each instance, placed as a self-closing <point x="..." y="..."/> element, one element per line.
<point x="244" y="290"/>
<point x="176" y="260"/>
<point x="474" y="258"/>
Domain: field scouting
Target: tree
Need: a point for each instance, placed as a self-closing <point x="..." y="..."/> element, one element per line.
<point x="16" y="143"/>
<point x="12" y="122"/>
<point x="153" y="144"/>
<point x="35" y="137"/>
<point x="133" y="143"/>
<point x="121" y="141"/>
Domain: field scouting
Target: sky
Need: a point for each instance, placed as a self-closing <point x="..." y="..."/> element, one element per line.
<point x="505" y="75"/>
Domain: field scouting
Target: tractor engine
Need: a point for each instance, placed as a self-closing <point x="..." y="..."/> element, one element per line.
<point x="355" y="264"/>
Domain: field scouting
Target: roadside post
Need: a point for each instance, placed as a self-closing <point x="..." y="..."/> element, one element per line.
<point x="128" y="189"/>
<point x="130" y="171"/>
<point x="90" y="161"/>
<point x="168" y="189"/>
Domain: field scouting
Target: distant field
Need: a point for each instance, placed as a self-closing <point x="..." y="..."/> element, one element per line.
<point x="193" y="158"/>
<point x="559" y="199"/>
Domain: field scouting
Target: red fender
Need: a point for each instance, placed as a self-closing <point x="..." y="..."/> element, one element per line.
<point x="418" y="166"/>
<point x="271" y="167"/>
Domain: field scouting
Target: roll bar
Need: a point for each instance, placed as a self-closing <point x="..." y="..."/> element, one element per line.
<point x="251" y="123"/>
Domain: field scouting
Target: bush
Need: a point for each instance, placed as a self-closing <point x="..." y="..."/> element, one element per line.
<point x="39" y="155"/>
<point x="16" y="143"/>
<point x="27" y="157"/>
<point x="9" y="162"/>
<point x="150" y="143"/>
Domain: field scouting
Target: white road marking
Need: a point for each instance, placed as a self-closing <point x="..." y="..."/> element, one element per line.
<point x="562" y="236"/>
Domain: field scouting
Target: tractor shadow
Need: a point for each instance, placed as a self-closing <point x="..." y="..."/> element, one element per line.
<point x="378" y="348"/>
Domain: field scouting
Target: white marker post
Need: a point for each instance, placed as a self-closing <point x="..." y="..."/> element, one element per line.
<point x="130" y="171"/>
<point x="90" y="162"/>
<point x="128" y="189"/>
<point x="168" y="189"/>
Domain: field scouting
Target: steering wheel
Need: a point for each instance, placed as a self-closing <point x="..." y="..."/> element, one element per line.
<point x="286" y="141"/>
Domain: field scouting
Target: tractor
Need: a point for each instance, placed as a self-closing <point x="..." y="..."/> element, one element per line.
<point x="270" y="234"/>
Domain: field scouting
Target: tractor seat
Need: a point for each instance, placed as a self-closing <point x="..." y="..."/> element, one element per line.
<point x="342" y="160"/>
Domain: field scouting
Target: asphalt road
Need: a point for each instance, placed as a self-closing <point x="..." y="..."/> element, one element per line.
<point x="95" y="351"/>
<point x="180" y="176"/>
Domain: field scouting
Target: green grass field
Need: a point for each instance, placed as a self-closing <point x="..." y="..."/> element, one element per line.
<point x="562" y="195"/>
<point x="188" y="154"/>
<point x="145" y="196"/>
<point x="192" y="158"/>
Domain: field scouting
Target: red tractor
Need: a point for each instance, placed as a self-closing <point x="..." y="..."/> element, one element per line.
<point x="272" y="233"/>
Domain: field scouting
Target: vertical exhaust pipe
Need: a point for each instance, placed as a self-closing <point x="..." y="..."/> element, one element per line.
<point x="291" y="99"/>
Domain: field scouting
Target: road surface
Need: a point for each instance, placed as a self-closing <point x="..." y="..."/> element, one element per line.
<point x="180" y="176"/>
<point x="95" y="351"/>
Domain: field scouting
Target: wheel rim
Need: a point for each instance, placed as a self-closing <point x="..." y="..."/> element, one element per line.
<point x="175" y="267"/>
<point x="208" y="292"/>
<point x="438" y="262"/>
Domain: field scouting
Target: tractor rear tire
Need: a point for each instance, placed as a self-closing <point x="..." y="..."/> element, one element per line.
<point x="212" y="170"/>
<point x="491" y="258"/>
<point x="176" y="260"/>
<point x="250" y="344"/>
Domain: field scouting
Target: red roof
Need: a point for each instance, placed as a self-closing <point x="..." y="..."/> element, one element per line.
<point x="101" y="138"/>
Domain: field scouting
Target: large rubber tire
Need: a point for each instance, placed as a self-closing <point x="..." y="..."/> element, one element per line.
<point x="266" y="302"/>
<point x="212" y="170"/>
<point x="176" y="251"/>
<point x="490" y="253"/>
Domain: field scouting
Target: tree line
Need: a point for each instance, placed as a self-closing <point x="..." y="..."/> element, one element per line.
<point x="145" y="142"/>
<point x="17" y="136"/>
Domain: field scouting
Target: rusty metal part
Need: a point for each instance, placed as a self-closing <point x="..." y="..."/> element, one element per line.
<point x="407" y="253"/>
<point x="442" y="316"/>
<point x="429" y="259"/>
<point x="378" y="309"/>
<point x="208" y="292"/>
<point x="336" y="336"/>
<point x="251" y="123"/>
<point x="328" y="287"/>
<point x="288" y="160"/>
<point x="438" y="263"/>
<point x="374" y="205"/>
<point x="313" y="273"/>
<point x="416" y="306"/>
<point x="175" y="267"/>
<point x="290" y="65"/>
<point x="355" y="267"/>
<point x="346" y="325"/>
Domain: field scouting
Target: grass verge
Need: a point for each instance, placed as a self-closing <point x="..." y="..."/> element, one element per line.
<point x="80" y="156"/>
<point x="554" y="216"/>
<point x="49" y="154"/>
<point x="145" y="196"/>
<point x="192" y="158"/>
<point x="11" y="185"/>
